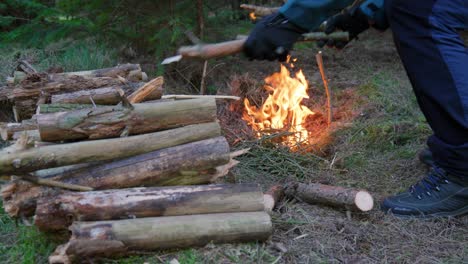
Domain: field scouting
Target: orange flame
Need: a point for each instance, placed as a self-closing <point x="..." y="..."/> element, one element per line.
<point x="283" y="109"/>
<point x="252" y="16"/>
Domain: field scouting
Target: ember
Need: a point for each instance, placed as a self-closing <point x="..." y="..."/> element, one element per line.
<point x="283" y="110"/>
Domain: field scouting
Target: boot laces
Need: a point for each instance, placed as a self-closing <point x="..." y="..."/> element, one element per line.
<point x="430" y="183"/>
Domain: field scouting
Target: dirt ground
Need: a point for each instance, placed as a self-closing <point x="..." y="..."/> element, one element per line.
<point x="375" y="151"/>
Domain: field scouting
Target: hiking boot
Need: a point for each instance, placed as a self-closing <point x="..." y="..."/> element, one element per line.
<point x="437" y="194"/>
<point x="425" y="156"/>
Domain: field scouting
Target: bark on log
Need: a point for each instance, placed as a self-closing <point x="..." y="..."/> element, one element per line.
<point x="122" y="70"/>
<point x="152" y="90"/>
<point x="189" y="164"/>
<point x="101" y="96"/>
<point x="350" y="199"/>
<point x="112" y="121"/>
<point x="55" y="108"/>
<point x="101" y="150"/>
<point x="59" y="212"/>
<point x="115" y="238"/>
<point x="7" y="130"/>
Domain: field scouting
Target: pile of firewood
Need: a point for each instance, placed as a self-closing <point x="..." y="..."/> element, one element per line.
<point x="93" y="151"/>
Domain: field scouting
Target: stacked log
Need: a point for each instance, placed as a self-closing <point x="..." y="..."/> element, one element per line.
<point x="96" y="154"/>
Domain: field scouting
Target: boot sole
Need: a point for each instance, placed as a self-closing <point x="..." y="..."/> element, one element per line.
<point x="459" y="212"/>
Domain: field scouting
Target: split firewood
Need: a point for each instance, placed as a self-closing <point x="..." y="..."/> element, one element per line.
<point x="101" y="96"/>
<point x="350" y="199"/>
<point x="222" y="49"/>
<point x="189" y="164"/>
<point x="123" y="70"/>
<point x="272" y="197"/>
<point x="58" y="212"/>
<point x="112" y="121"/>
<point x="32" y="135"/>
<point x="101" y="150"/>
<point x="121" y="237"/>
<point x="7" y="130"/>
<point x="150" y="91"/>
<point x="260" y="11"/>
<point x="26" y="67"/>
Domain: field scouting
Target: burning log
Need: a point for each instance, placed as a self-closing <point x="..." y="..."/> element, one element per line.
<point x="260" y="11"/>
<point x="222" y="49"/>
<point x="82" y="152"/>
<point x="351" y="199"/>
<point x="189" y="164"/>
<point x="101" y="96"/>
<point x="114" y="238"/>
<point x="113" y="121"/>
<point x="7" y="130"/>
<point x="57" y="213"/>
<point x="150" y="91"/>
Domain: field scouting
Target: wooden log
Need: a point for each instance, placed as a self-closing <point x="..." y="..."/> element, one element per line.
<point x="222" y="49"/>
<point x="121" y="237"/>
<point x="7" y="130"/>
<point x="260" y="11"/>
<point x="112" y="121"/>
<point x="57" y="213"/>
<point x="82" y="152"/>
<point x="101" y="96"/>
<point x="55" y="108"/>
<point x="190" y="96"/>
<point x="123" y="70"/>
<point x="152" y="90"/>
<point x="189" y="164"/>
<point x="347" y="198"/>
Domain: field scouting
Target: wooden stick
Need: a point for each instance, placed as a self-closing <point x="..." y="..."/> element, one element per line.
<point x="150" y="91"/>
<point x="112" y="121"/>
<point x="7" y="130"/>
<point x="102" y="96"/>
<point x="58" y="212"/>
<point x="325" y="84"/>
<point x="123" y="70"/>
<point x="184" y="96"/>
<point x="350" y="199"/>
<point x="202" y="82"/>
<point x="82" y="152"/>
<point x="116" y="238"/>
<point x="260" y="11"/>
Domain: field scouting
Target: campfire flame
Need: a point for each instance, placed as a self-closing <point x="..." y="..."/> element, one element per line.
<point x="283" y="110"/>
<point x="252" y="16"/>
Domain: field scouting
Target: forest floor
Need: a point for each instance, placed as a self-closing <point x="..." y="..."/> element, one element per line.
<point x="376" y="151"/>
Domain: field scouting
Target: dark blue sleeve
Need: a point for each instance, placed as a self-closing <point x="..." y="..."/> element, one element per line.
<point x="309" y="14"/>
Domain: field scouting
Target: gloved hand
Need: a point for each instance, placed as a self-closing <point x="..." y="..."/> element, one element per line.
<point x="272" y="38"/>
<point x="352" y="20"/>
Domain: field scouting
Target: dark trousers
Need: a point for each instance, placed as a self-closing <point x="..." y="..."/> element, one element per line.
<point x="426" y="34"/>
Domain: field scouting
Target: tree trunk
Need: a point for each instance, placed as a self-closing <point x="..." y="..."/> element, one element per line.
<point x="101" y="96"/>
<point x="114" y="238"/>
<point x="7" y="130"/>
<point x="188" y="164"/>
<point x="112" y="121"/>
<point x="101" y="150"/>
<point x="350" y="199"/>
<point x="152" y="90"/>
<point x="57" y="213"/>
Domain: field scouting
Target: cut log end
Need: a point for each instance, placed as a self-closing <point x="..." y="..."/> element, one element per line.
<point x="364" y="201"/>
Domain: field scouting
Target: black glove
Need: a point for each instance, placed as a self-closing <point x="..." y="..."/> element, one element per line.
<point x="272" y="38"/>
<point x="352" y="20"/>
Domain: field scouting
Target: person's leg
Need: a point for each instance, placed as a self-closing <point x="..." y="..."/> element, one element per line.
<point x="436" y="61"/>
